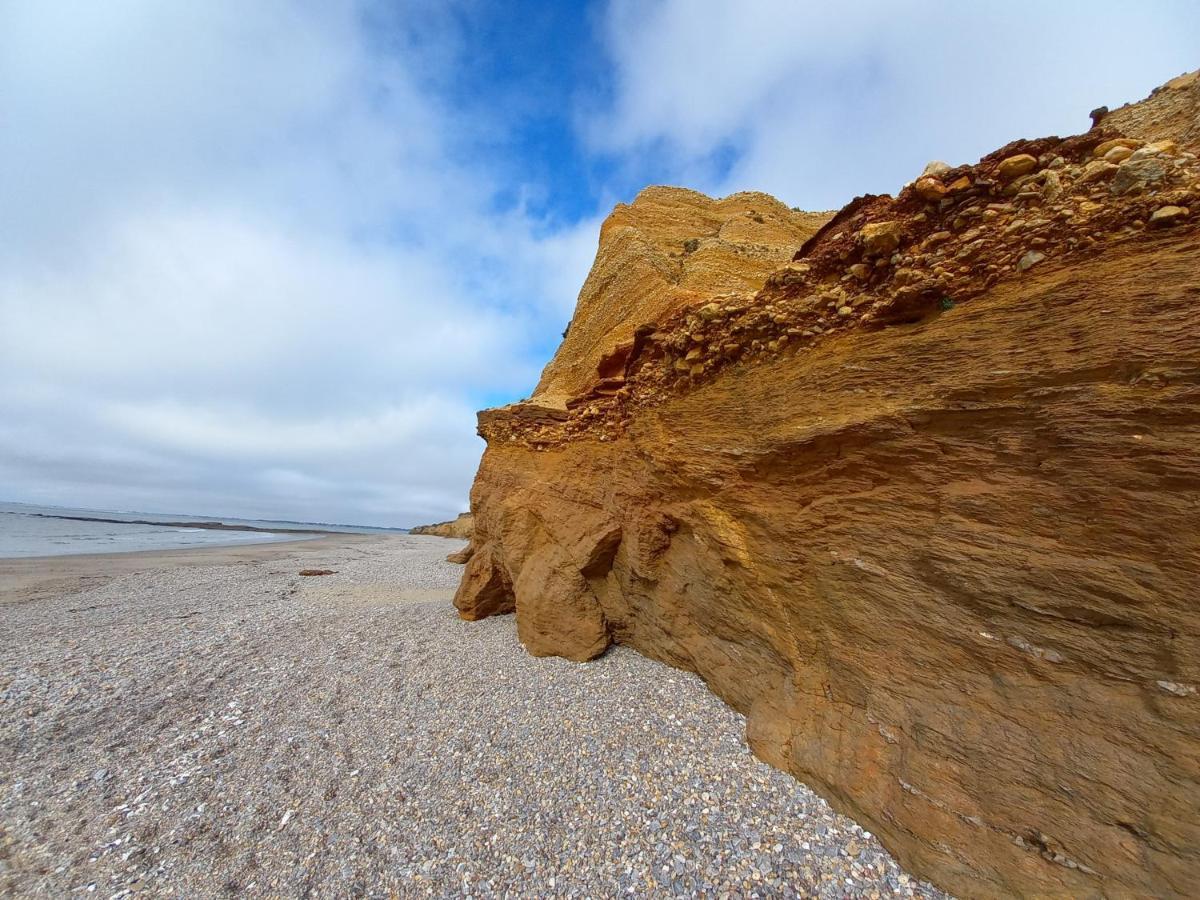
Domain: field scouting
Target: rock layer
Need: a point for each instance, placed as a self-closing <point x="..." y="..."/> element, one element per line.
<point x="664" y="251"/>
<point x="925" y="506"/>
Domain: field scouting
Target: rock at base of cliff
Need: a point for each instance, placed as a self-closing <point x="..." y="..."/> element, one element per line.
<point x="558" y="615"/>
<point x="461" y="557"/>
<point x="486" y="589"/>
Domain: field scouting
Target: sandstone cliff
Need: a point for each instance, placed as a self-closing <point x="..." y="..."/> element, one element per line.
<point x="460" y="527"/>
<point x="668" y="249"/>
<point x="922" y="502"/>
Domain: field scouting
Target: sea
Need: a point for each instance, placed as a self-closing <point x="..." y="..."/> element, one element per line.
<point x="27" y="530"/>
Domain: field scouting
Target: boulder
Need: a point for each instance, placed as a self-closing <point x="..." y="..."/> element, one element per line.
<point x="1104" y="148"/>
<point x="1166" y="216"/>
<point x="1136" y="175"/>
<point x="1097" y="170"/>
<point x="881" y="238"/>
<point x="1016" y="166"/>
<point x="930" y="189"/>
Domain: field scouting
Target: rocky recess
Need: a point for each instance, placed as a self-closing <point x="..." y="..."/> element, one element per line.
<point x="921" y="497"/>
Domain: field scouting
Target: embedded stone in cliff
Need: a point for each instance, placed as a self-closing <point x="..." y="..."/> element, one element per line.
<point x="1016" y="166"/>
<point x="486" y="589"/>
<point x="930" y="189"/>
<point x="1102" y="150"/>
<point x="1118" y="154"/>
<point x="613" y="364"/>
<point x="1137" y="175"/>
<point x="1167" y="216"/>
<point x="1097" y="170"/>
<point x="881" y="238"/>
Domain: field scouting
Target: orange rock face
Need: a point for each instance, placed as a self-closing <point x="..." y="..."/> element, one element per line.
<point x="923" y="503"/>
<point x="668" y="249"/>
<point x="460" y="527"/>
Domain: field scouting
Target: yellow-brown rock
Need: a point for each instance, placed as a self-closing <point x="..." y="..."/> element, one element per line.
<point x="1166" y="216"/>
<point x="930" y="188"/>
<point x="661" y="252"/>
<point x="942" y="550"/>
<point x="460" y="527"/>
<point x="881" y="238"/>
<point x="1015" y="166"/>
<point x="1130" y="144"/>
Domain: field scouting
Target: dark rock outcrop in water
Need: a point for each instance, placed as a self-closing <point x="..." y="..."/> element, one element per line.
<point x="923" y="502"/>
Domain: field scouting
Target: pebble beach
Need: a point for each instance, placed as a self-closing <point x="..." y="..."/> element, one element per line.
<point x="207" y="724"/>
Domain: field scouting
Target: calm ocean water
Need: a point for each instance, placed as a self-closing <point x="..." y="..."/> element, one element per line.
<point x="34" y="531"/>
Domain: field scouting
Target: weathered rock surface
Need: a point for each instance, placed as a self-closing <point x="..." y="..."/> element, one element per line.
<point x="460" y="557"/>
<point x="664" y="251"/>
<point x="929" y="514"/>
<point x="460" y="527"/>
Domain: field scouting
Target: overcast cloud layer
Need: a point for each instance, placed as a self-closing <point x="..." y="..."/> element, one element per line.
<point x="268" y="258"/>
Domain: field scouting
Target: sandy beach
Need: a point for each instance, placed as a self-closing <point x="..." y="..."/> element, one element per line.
<point x="207" y="723"/>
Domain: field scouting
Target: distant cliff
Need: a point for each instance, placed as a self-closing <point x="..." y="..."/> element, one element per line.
<point x="456" y="528"/>
<point x="916" y="487"/>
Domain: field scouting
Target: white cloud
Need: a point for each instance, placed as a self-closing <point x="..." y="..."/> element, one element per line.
<point x="818" y="102"/>
<point x="254" y="259"/>
<point x="245" y="267"/>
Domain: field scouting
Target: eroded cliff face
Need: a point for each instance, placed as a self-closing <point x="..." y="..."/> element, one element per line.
<point x="925" y="506"/>
<point x="665" y="251"/>
<point x="460" y="527"/>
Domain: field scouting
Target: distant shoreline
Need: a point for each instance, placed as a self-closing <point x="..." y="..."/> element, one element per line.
<point x="213" y="526"/>
<point x="26" y="577"/>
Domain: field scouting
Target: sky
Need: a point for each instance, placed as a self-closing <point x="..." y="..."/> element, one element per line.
<point x="267" y="259"/>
